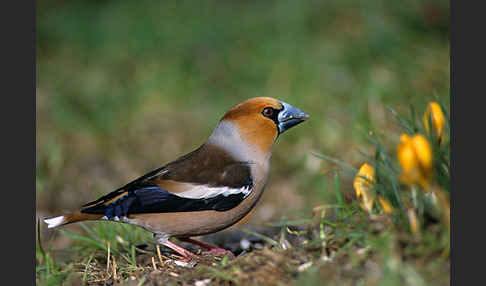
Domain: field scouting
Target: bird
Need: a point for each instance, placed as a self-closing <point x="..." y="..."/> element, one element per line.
<point x="204" y="191"/>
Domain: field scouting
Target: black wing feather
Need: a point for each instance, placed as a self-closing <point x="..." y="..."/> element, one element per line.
<point x="156" y="200"/>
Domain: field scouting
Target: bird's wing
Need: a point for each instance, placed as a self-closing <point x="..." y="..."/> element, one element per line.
<point x="205" y="179"/>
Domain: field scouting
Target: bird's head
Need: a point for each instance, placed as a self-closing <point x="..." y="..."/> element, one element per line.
<point x="260" y="120"/>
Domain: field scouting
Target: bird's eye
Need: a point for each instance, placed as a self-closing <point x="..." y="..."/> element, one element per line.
<point x="267" y="112"/>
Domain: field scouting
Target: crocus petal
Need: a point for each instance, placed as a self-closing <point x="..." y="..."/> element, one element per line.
<point x="415" y="157"/>
<point x="385" y="204"/>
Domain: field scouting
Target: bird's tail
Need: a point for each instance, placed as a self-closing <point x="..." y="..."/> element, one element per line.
<point x="70" y="218"/>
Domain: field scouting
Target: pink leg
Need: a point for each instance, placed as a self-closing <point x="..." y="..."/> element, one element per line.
<point x="184" y="252"/>
<point x="212" y="249"/>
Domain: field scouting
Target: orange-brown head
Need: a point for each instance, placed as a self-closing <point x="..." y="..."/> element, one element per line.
<point x="260" y="120"/>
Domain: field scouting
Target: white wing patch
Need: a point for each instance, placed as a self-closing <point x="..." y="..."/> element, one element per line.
<point x="205" y="192"/>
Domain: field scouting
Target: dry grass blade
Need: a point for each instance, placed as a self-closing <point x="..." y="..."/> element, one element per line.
<point x="159" y="255"/>
<point x="153" y="263"/>
<point x="114" y="268"/>
<point x="108" y="258"/>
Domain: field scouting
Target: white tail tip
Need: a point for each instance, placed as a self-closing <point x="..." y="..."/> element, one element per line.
<point x="55" y="221"/>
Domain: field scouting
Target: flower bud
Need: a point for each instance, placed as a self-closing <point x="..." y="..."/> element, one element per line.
<point x="362" y="184"/>
<point x="434" y="112"/>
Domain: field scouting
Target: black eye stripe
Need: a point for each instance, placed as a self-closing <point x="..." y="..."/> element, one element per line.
<point x="273" y="116"/>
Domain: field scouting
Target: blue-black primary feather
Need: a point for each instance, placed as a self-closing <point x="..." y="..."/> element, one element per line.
<point x="152" y="199"/>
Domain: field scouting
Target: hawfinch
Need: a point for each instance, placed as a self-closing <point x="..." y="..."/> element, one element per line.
<point x="206" y="190"/>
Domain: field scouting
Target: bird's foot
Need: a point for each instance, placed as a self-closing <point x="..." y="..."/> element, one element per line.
<point x="211" y="249"/>
<point x="219" y="252"/>
<point x="186" y="254"/>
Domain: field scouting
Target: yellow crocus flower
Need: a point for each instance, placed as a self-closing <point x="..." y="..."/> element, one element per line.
<point x="362" y="184"/>
<point x="434" y="112"/>
<point x="415" y="157"/>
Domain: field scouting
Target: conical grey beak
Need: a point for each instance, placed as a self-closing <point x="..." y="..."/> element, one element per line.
<point x="290" y="116"/>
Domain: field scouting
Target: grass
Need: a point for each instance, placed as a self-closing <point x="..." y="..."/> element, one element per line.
<point x="123" y="87"/>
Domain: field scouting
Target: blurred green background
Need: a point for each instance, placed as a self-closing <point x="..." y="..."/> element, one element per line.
<point x="124" y="87"/>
